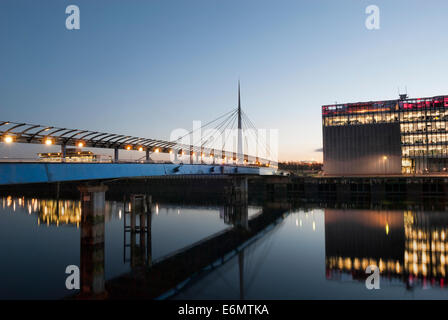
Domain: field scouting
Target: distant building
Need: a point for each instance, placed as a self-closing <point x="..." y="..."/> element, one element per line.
<point x="404" y="136"/>
<point x="72" y="155"/>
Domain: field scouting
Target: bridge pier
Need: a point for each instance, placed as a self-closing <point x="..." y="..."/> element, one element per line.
<point x="147" y="155"/>
<point x="92" y="239"/>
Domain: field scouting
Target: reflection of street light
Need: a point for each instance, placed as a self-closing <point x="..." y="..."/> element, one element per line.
<point x="385" y="167"/>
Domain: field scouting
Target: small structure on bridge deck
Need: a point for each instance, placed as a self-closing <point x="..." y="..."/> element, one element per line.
<point x="73" y="155"/>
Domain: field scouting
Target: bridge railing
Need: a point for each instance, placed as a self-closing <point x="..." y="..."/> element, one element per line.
<point x="121" y="161"/>
<point x="12" y="132"/>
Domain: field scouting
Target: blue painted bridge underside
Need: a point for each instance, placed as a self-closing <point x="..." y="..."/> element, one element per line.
<point x="20" y="173"/>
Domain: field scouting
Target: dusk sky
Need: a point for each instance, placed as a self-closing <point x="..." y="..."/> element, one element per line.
<point x="145" y="68"/>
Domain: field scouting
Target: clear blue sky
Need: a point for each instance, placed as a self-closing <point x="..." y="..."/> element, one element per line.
<point x="145" y="68"/>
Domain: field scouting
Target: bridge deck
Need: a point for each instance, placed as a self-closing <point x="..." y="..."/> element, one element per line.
<point x="44" y="172"/>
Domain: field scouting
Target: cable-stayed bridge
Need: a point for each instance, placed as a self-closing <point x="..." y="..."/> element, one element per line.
<point x="229" y="144"/>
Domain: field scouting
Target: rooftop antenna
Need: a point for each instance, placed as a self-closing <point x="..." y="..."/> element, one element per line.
<point x="403" y="96"/>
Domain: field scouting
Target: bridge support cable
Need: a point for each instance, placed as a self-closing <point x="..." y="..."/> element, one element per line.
<point x="228" y="133"/>
<point x="220" y="129"/>
<point x="253" y="130"/>
<point x="205" y="125"/>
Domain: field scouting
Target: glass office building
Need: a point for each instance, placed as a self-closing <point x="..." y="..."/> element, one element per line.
<point x="404" y="136"/>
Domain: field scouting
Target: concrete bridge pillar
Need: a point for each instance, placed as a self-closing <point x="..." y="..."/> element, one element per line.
<point x="147" y="155"/>
<point x="92" y="239"/>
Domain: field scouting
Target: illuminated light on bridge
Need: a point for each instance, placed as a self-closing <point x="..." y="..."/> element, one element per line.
<point x="140" y="149"/>
<point x="48" y="141"/>
<point x="80" y="144"/>
<point x="8" y="139"/>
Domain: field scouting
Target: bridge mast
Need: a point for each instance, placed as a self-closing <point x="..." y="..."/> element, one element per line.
<point x="240" y="132"/>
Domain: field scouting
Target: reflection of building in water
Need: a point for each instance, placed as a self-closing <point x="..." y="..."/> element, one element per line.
<point x="59" y="212"/>
<point x="355" y="239"/>
<point x="56" y="212"/>
<point x="426" y="245"/>
<point x="406" y="245"/>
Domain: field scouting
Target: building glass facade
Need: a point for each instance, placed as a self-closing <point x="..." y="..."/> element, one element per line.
<point x="422" y="124"/>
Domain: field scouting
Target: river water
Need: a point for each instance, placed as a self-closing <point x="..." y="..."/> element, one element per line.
<point x="311" y="253"/>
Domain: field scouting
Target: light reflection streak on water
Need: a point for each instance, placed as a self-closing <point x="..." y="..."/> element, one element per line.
<point x="69" y="212"/>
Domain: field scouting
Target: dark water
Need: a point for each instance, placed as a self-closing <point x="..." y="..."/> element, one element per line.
<point x="311" y="254"/>
<point x="321" y="254"/>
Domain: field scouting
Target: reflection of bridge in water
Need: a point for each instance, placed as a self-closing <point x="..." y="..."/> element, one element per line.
<point x="152" y="278"/>
<point x="409" y="246"/>
<point x="91" y="211"/>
